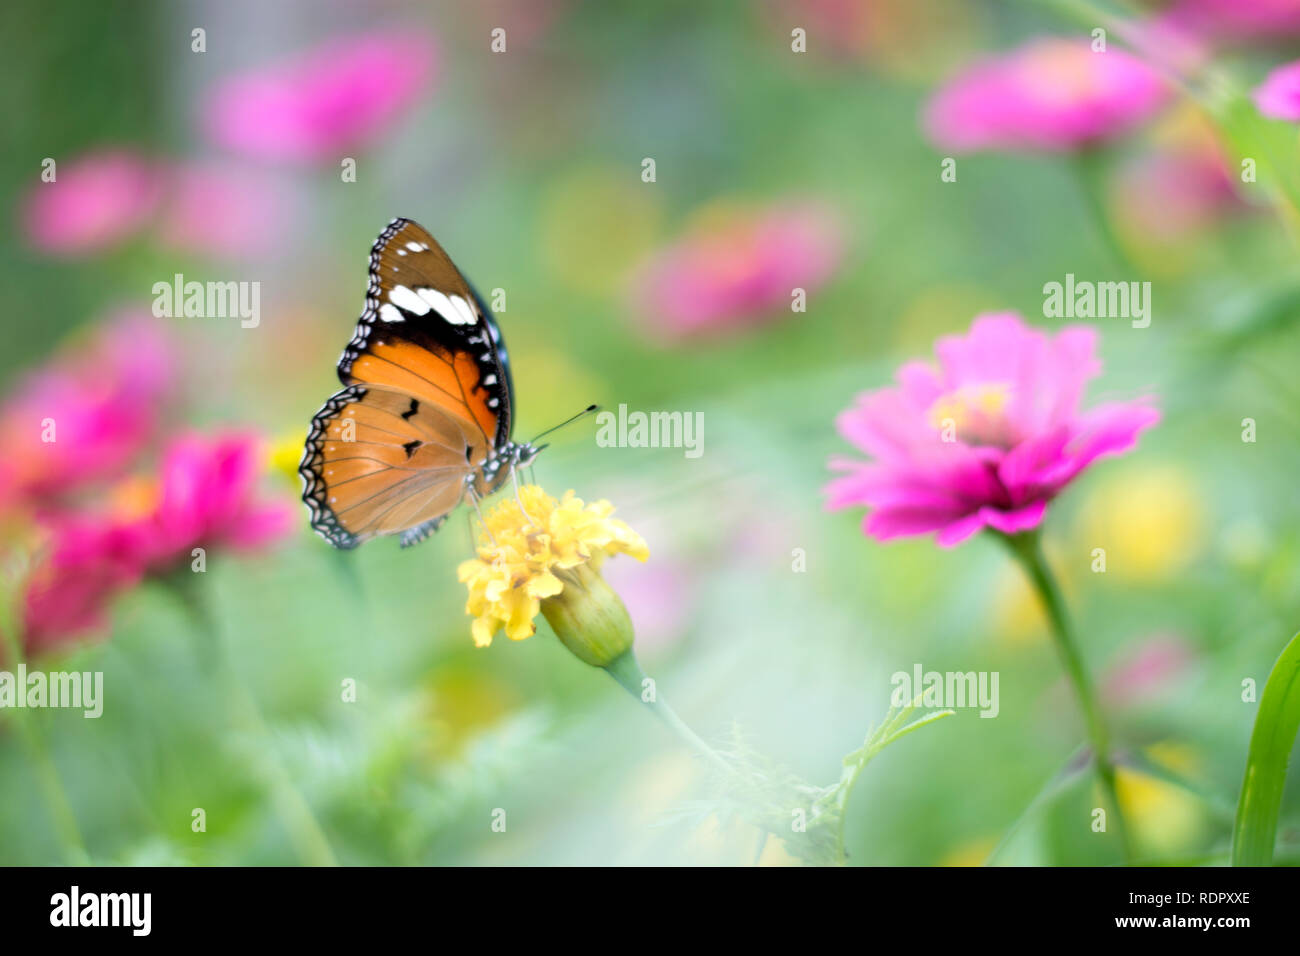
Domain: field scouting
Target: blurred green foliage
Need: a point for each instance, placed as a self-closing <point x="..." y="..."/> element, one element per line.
<point x="500" y="161"/>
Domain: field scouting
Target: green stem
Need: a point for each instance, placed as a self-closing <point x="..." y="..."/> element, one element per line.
<point x="65" y="819"/>
<point x="626" y="670"/>
<point x="842" y="803"/>
<point x="1027" y="549"/>
<point x="305" y="831"/>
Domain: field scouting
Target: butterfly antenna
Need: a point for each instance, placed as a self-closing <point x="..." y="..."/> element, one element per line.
<point x="569" y="421"/>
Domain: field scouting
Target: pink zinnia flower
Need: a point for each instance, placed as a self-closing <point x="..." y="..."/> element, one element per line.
<point x="100" y="403"/>
<point x="208" y="498"/>
<point x="94" y="202"/>
<point x="1051" y="95"/>
<point x="1279" y="95"/>
<point x="738" y="269"/>
<point x="205" y="496"/>
<point x="337" y="97"/>
<point x="984" y="441"/>
<point x="91" y="561"/>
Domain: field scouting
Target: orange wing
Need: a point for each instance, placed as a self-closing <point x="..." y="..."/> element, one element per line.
<point x="450" y="379"/>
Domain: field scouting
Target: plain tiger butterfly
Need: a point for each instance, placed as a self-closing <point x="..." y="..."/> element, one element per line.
<point x="423" y="420"/>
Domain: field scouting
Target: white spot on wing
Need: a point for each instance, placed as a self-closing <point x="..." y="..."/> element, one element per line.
<point x="465" y="309"/>
<point x="453" y="310"/>
<point x="390" y="313"/>
<point x="416" y="246"/>
<point x="404" y="298"/>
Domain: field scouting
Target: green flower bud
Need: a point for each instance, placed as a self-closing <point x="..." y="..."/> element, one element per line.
<point x="588" y="617"/>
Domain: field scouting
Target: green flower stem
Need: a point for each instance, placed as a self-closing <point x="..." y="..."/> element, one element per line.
<point x="626" y="670"/>
<point x="65" y="820"/>
<point x="1027" y="549"/>
<point x="305" y="831"/>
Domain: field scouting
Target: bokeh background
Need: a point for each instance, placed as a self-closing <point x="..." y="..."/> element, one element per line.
<point x="773" y="169"/>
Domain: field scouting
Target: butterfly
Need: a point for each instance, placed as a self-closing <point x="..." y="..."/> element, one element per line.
<point x="423" y="420"/>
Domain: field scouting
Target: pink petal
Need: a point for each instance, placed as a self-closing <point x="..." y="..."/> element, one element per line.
<point x="1017" y="520"/>
<point x="1110" y="429"/>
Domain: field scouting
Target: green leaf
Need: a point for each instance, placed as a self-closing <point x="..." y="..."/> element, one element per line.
<point x="1270" y="747"/>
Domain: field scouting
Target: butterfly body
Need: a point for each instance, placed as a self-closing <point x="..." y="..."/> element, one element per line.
<point x="423" y="420"/>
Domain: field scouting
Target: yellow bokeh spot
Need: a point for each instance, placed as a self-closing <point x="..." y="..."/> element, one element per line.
<point x="938" y="311"/>
<point x="970" y="853"/>
<point x="596" y="225"/>
<point x="1180" y="758"/>
<point x="1164" y="817"/>
<point x="1150" y="522"/>
<point x="1017" y="612"/>
<point x="462" y="704"/>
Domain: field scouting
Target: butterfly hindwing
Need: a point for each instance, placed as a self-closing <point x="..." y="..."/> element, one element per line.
<point x="380" y="462"/>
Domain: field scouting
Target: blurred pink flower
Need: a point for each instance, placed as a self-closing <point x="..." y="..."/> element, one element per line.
<point x="738" y="269"/>
<point x="88" y="413"/>
<point x="1235" y="19"/>
<point x="91" y="561"/>
<point x="1173" y="191"/>
<point x="220" y="211"/>
<point x="984" y="441"/>
<point x="1167" y="44"/>
<point x="1279" y="95"/>
<point x="94" y="202"/>
<point x="207" y="497"/>
<point x="336" y="97"/>
<point x="1051" y="94"/>
<point x="659" y="598"/>
<point x="1147" y="671"/>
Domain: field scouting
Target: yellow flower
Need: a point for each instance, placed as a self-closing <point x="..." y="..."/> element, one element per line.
<point x="546" y="559"/>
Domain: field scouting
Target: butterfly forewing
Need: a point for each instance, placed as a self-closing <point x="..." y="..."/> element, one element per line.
<point x="424" y="328"/>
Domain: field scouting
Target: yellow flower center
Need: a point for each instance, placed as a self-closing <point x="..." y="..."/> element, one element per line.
<point x="972" y="413"/>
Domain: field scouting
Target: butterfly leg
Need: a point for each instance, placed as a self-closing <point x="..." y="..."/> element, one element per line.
<point x="473" y="497"/>
<point x="514" y="477"/>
